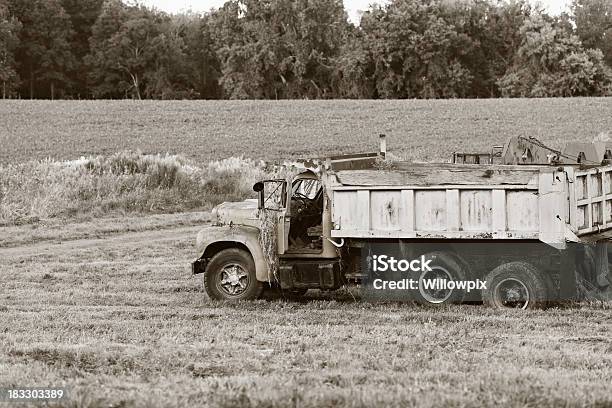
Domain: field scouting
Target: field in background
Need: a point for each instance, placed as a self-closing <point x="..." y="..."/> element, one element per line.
<point x="120" y="322"/>
<point x="205" y="130"/>
<point x="107" y="306"/>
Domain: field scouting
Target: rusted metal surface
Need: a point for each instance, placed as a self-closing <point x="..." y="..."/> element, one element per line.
<point x="526" y="151"/>
<point x="591" y="200"/>
<point x="443" y="174"/>
<point x="492" y="157"/>
<point x="587" y="153"/>
<point x="436" y="213"/>
<point x="522" y="150"/>
<point x="548" y="203"/>
<point x="342" y="162"/>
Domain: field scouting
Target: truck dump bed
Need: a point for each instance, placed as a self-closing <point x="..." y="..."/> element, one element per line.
<point x="547" y="203"/>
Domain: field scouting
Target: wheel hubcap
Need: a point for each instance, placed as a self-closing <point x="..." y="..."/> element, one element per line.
<point x="233" y="280"/>
<point x="512" y="293"/>
<point x="432" y="287"/>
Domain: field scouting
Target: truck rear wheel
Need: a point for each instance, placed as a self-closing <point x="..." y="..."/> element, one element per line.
<point x="444" y="267"/>
<point x="230" y="275"/>
<point x="516" y="285"/>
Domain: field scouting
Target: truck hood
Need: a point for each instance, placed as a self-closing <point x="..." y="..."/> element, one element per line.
<point x="241" y="213"/>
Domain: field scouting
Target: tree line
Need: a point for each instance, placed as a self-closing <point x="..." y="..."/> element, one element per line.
<point x="285" y="49"/>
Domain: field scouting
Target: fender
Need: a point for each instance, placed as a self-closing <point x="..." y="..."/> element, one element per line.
<point x="242" y="235"/>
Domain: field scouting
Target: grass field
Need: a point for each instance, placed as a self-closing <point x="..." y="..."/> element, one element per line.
<point x="110" y="311"/>
<point x="106" y="306"/>
<point x="204" y="130"/>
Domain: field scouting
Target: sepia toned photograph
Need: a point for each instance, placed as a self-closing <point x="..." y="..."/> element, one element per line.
<point x="305" y="203"/>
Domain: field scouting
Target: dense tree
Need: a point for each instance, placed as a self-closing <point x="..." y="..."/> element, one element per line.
<point x="44" y="54"/>
<point x="415" y="51"/>
<point x="106" y="81"/>
<point x="83" y="14"/>
<point x="9" y="40"/>
<point x="273" y="49"/>
<point x="201" y="64"/>
<point x="354" y="72"/>
<point x="593" y="19"/>
<point x="490" y="35"/>
<point x="134" y="51"/>
<point x="168" y="76"/>
<point x="551" y="62"/>
<point x="279" y="48"/>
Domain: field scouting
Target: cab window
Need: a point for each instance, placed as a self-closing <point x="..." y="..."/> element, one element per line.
<point x="308" y="188"/>
<point x="274" y="194"/>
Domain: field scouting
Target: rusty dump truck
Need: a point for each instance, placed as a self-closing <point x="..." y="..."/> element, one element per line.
<point x="528" y="222"/>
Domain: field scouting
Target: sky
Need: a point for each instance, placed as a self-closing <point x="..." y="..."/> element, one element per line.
<point x="353" y="6"/>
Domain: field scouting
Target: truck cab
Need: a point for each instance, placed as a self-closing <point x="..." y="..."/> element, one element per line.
<point x="300" y="210"/>
<point x="258" y="244"/>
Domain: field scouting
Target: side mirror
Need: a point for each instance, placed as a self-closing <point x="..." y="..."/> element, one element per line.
<point x="259" y="188"/>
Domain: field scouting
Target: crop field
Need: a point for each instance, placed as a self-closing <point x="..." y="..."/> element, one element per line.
<point x="109" y="311"/>
<point x="96" y="293"/>
<point x="205" y="130"/>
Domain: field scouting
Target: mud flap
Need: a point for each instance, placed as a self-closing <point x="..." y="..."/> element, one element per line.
<point x="602" y="268"/>
<point x="567" y="274"/>
<point x="198" y="266"/>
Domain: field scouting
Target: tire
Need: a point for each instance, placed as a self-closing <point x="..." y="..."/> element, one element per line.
<point x="517" y="285"/>
<point x="552" y="292"/>
<point x="230" y="275"/>
<point x="444" y="265"/>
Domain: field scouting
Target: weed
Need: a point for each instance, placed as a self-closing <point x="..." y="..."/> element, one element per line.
<point x="124" y="183"/>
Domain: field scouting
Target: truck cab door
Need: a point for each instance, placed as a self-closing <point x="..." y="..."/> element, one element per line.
<point x="273" y="215"/>
<point x="284" y="224"/>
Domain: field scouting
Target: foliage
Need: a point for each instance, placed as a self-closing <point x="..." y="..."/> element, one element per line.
<point x="83" y="14"/>
<point x="303" y="49"/>
<point x="490" y="34"/>
<point x="279" y="48"/>
<point x="593" y="19"/>
<point x="44" y="55"/>
<point x="126" y="182"/>
<point x="134" y="51"/>
<point x="552" y="62"/>
<point x="202" y="65"/>
<point x="9" y="40"/>
<point x="415" y="51"/>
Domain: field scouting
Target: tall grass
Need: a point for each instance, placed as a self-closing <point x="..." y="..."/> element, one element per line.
<point x="126" y="182"/>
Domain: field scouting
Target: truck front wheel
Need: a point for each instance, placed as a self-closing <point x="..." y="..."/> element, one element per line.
<point x="516" y="285"/>
<point x="230" y="275"/>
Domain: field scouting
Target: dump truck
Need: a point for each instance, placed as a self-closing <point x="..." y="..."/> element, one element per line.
<point x="528" y="223"/>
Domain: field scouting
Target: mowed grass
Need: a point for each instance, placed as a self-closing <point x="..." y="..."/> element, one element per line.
<point x="122" y="323"/>
<point x="204" y="130"/>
